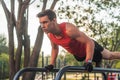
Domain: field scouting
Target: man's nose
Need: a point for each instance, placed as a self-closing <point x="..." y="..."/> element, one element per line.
<point x="42" y="26"/>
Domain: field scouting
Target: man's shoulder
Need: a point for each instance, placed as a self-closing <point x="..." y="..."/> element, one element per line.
<point x="63" y="23"/>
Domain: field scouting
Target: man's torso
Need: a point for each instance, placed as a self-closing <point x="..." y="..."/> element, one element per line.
<point x="71" y="45"/>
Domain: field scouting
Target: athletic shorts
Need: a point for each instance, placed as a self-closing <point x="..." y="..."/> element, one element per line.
<point x="97" y="54"/>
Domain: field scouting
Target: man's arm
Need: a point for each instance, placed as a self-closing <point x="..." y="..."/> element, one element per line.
<point x="74" y="32"/>
<point x="54" y="53"/>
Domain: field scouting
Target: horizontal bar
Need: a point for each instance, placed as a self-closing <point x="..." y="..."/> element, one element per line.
<point x="63" y="70"/>
<point x="33" y="69"/>
<point x="79" y="69"/>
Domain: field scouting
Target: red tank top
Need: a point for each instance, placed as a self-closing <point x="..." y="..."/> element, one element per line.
<point x="71" y="45"/>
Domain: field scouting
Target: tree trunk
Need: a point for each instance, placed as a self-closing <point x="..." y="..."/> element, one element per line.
<point x="35" y="54"/>
<point x="11" y="52"/>
<point x="21" y="34"/>
<point x="10" y="19"/>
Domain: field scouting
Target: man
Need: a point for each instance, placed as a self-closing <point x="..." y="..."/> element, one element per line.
<point x="73" y="40"/>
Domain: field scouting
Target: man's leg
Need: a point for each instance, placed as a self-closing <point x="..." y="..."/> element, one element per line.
<point x="108" y="55"/>
<point x="97" y="58"/>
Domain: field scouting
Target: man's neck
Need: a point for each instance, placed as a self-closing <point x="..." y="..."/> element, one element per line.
<point x="57" y="31"/>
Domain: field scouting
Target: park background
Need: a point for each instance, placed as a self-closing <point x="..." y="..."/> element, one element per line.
<point x="98" y="19"/>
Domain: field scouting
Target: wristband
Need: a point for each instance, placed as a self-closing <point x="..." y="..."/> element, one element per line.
<point x="90" y="61"/>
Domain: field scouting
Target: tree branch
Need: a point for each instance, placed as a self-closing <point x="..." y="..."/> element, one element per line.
<point x="44" y="5"/>
<point x="7" y="12"/>
<point x="53" y="4"/>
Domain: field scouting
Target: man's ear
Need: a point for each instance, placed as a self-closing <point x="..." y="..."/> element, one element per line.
<point x="55" y="20"/>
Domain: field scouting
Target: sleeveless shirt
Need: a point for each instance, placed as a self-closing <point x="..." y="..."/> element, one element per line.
<point x="71" y="45"/>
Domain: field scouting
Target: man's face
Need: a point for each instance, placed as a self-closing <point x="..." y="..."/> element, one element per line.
<point x="45" y="24"/>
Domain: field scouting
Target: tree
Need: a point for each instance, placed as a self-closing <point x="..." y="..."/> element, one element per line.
<point x="20" y="24"/>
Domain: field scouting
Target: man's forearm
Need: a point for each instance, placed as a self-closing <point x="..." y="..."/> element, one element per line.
<point x="54" y="54"/>
<point x="89" y="51"/>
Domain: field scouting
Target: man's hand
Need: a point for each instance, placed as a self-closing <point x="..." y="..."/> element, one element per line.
<point x="49" y="67"/>
<point x="88" y="66"/>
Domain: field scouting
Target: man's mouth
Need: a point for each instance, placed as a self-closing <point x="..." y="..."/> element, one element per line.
<point x="45" y="30"/>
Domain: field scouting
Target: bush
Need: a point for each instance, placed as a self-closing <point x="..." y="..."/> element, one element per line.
<point x="4" y="66"/>
<point x="117" y="65"/>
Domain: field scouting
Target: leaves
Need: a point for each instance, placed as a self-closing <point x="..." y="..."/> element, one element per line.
<point x="3" y="42"/>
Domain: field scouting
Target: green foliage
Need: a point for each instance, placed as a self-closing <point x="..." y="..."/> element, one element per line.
<point x="4" y="66"/>
<point x="3" y="47"/>
<point x="2" y="40"/>
<point x="4" y="57"/>
<point x="107" y="35"/>
<point x="118" y="65"/>
<point x="68" y="59"/>
<point x="71" y="60"/>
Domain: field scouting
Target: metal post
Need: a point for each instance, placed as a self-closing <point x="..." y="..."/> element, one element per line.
<point x="64" y="65"/>
<point x="59" y="63"/>
<point x="46" y="60"/>
<point x="42" y="65"/>
<point x="0" y="70"/>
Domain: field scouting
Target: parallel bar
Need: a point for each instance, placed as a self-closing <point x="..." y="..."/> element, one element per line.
<point x="78" y="68"/>
<point x="18" y="74"/>
<point x="63" y="70"/>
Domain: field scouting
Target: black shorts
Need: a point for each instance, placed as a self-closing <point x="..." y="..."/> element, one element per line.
<point x="97" y="54"/>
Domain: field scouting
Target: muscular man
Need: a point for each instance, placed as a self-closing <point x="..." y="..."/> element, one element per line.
<point x="73" y="40"/>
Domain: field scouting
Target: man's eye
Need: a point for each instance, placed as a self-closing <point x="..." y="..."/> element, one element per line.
<point x="44" y="22"/>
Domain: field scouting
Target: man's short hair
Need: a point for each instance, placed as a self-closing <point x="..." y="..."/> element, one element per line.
<point x="51" y="14"/>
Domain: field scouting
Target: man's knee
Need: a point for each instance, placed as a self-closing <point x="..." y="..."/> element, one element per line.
<point x="107" y="54"/>
<point x="109" y="57"/>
